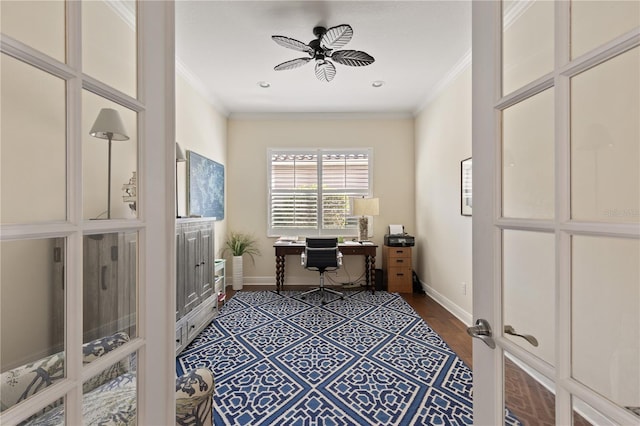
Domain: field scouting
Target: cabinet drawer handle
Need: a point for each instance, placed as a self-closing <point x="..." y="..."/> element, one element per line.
<point x="399" y="260"/>
<point x="400" y="275"/>
<point x="103" y="277"/>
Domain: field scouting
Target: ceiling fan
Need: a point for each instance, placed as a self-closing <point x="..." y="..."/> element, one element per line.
<point x="323" y="48"/>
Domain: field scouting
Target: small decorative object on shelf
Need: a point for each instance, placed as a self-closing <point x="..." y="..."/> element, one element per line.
<point x="130" y="193"/>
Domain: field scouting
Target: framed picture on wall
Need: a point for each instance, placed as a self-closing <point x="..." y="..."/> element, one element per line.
<point x="206" y="187"/>
<point x="465" y="187"/>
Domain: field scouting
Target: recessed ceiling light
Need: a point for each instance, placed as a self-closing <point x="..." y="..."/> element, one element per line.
<point x="264" y="84"/>
<point x="378" y="83"/>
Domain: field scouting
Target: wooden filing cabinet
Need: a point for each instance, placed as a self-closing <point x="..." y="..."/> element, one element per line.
<point x="398" y="271"/>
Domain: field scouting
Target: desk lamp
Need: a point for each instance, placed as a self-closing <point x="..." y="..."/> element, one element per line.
<point x="365" y="207"/>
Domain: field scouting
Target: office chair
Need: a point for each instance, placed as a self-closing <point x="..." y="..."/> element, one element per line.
<point x="321" y="254"/>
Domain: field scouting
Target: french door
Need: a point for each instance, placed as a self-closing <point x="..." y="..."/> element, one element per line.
<point x="80" y="259"/>
<point x="556" y="209"/>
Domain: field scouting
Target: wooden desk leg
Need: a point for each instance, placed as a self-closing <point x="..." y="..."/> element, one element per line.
<point x="279" y="272"/>
<point x="370" y="272"/>
<point x="372" y="269"/>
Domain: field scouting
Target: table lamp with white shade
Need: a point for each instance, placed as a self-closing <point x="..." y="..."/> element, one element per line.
<point x="364" y="207"/>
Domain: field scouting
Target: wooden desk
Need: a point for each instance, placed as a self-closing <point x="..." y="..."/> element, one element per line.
<point x="366" y="250"/>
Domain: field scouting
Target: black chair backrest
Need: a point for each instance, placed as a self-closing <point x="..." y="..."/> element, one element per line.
<point x="322" y="253"/>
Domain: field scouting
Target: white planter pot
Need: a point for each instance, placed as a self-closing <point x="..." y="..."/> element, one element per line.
<point x="237" y="273"/>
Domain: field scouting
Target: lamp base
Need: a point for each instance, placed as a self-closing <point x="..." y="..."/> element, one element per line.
<point x="363" y="227"/>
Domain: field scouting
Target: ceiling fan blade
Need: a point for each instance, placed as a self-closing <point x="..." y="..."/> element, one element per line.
<point x="291" y="43"/>
<point x="336" y="37"/>
<point x="325" y="70"/>
<point x="354" y="58"/>
<point x="289" y="65"/>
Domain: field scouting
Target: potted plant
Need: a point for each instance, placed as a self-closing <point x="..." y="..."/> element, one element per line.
<point x="239" y="244"/>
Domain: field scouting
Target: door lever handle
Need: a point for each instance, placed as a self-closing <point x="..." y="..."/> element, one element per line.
<point x="529" y="338"/>
<point x="482" y="331"/>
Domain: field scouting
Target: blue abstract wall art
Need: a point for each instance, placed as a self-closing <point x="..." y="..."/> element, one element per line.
<point x="206" y="187"/>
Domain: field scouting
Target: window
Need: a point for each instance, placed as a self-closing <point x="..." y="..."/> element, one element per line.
<point x="310" y="191"/>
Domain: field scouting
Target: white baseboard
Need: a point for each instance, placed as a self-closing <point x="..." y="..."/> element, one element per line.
<point x="268" y="280"/>
<point x="456" y="311"/>
<point x="309" y="279"/>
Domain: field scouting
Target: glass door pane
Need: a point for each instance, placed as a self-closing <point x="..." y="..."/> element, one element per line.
<point x="33" y="283"/>
<point x="605" y="141"/>
<point x="605" y="295"/>
<point x="33" y="135"/>
<point x="527" y="43"/>
<point x="121" y="201"/>
<point x="529" y="292"/>
<point x="528" y="158"/>
<point x="110" y="397"/>
<point x="110" y="278"/>
<point x="109" y="39"/>
<point x="38" y="24"/>
<point x="525" y="396"/>
<point x="594" y="23"/>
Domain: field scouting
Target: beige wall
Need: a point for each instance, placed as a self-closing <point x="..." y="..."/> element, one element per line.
<point x="443" y="140"/>
<point x="202" y="129"/>
<point x="393" y="179"/>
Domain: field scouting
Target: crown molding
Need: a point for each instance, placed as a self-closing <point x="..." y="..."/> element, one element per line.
<point x="516" y="10"/>
<point x="199" y="87"/>
<point x="301" y="116"/>
<point x="462" y="64"/>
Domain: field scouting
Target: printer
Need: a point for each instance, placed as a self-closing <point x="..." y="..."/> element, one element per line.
<point x="398" y="238"/>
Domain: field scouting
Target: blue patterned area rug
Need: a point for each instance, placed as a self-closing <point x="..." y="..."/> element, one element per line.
<point x="365" y="360"/>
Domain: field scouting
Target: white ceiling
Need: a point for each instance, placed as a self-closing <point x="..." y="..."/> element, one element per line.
<point x="225" y="48"/>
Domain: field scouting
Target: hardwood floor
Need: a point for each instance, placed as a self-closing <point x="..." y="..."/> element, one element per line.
<point x="529" y="401"/>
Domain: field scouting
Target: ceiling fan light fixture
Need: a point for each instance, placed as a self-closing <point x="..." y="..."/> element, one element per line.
<point x="322" y="48"/>
<point x="377" y="83"/>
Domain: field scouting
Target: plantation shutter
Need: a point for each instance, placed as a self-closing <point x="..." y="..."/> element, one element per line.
<point x="294" y="191"/>
<point x="299" y="205"/>
<point x="344" y="176"/>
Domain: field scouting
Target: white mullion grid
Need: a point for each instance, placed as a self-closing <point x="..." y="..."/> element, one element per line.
<point x="74" y="252"/>
<point x="562" y="187"/>
<point x="35" y="58"/>
<point x="73" y="228"/>
<point x="107" y="92"/>
<point x="531" y="89"/>
<point x="566" y="228"/>
<point x="502" y="224"/>
<point x="68" y="388"/>
<point x="601" y="54"/>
